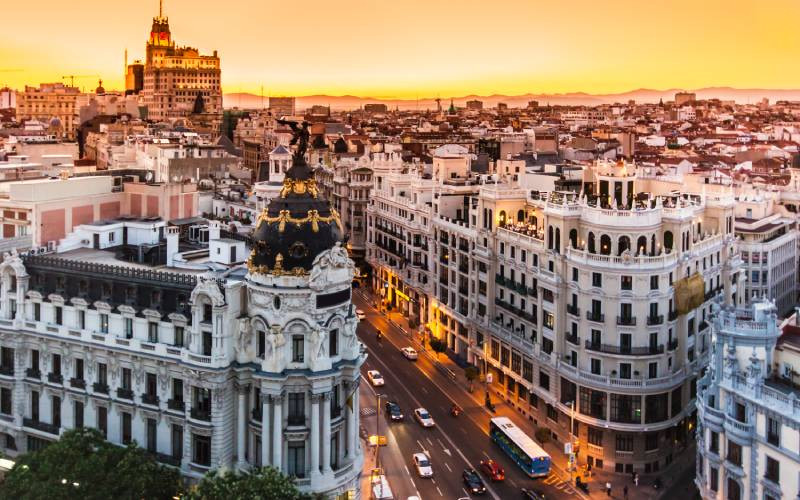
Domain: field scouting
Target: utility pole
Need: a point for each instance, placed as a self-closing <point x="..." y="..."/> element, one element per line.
<point x="378" y="432"/>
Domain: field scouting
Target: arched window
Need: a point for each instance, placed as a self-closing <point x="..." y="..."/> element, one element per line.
<point x="668" y="241"/>
<point x="734" y="490"/>
<point x="485" y="218"/>
<point x="558" y="240"/>
<point x="535" y="221"/>
<point x="641" y="245"/>
<point x="573" y="238"/>
<point x="521" y="216"/>
<point x="605" y="245"/>
<point x="550" y="237"/>
<point x="591" y="243"/>
<point x="653" y="245"/>
<point x="623" y="243"/>
<point x="502" y="218"/>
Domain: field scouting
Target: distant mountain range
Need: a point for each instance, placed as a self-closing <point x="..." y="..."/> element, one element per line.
<point x="348" y="102"/>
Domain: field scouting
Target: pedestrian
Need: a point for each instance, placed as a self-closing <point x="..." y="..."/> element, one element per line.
<point x="636" y="479"/>
<point x="608" y="488"/>
<point x="625" y="492"/>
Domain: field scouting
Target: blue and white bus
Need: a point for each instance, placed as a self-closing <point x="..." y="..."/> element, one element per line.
<point x="519" y="446"/>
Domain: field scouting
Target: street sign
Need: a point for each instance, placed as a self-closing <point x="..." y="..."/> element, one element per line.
<point x="488" y="378"/>
<point x="567" y="448"/>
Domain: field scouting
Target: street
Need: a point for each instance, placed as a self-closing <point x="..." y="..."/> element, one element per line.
<point x="455" y="442"/>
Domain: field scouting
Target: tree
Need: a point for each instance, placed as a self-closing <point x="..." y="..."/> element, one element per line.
<point x="438" y="346"/>
<point x="82" y="464"/>
<point x="260" y="483"/>
<point x="471" y="373"/>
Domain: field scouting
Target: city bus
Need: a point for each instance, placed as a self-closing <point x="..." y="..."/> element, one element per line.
<point x="519" y="446"/>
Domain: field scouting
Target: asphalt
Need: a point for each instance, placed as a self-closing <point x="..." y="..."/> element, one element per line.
<point x="456" y="442"/>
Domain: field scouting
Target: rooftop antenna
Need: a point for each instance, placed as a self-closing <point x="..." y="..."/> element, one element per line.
<point x="160" y="9"/>
<point x="262" y="97"/>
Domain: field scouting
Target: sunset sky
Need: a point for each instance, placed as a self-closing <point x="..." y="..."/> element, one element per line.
<point x="419" y="48"/>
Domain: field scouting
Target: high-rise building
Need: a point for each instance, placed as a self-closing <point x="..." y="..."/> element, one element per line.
<point x="178" y="81"/>
<point x="282" y="106"/>
<point x="134" y="77"/>
<point x="682" y="98"/>
<point x="475" y="105"/>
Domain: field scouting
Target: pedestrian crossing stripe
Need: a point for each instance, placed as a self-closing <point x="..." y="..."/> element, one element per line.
<point x="366" y="412"/>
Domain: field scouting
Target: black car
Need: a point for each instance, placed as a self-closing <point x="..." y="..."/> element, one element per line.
<point x="532" y="494"/>
<point x="394" y="411"/>
<point x="473" y="482"/>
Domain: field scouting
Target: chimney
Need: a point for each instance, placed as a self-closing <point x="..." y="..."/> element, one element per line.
<point x="213" y="230"/>
<point x="173" y="234"/>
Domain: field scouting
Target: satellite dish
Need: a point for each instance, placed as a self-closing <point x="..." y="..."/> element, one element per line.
<point x="149" y="176"/>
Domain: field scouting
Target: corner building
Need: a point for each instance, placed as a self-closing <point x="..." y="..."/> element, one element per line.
<point x="251" y="366"/>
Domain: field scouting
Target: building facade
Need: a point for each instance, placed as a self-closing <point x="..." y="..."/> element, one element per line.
<point x="748" y="445"/>
<point x="53" y="104"/>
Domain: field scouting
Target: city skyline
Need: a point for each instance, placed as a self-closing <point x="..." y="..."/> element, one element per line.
<point x="519" y="48"/>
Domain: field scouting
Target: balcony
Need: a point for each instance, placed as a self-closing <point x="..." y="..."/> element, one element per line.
<point x="40" y="426"/>
<point x="573" y="310"/>
<point x="7" y="370"/>
<point x="673" y="315"/>
<point x="595" y="316"/>
<point x="296" y="420"/>
<point x="626" y="320"/>
<point x="100" y="388"/>
<point x="176" y="405"/>
<point x="150" y="399"/>
<point x="533" y="292"/>
<point x="77" y="383"/>
<point x="672" y="345"/>
<point x="55" y="378"/>
<point x="741" y="430"/>
<point x="499" y="279"/>
<point x="256" y="413"/>
<point x="201" y="414"/>
<point x="33" y="373"/>
<point x="624" y="350"/>
<point x="572" y="339"/>
<point x="167" y="459"/>
<point x="655" y="320"/>
<point x="125" y="393"/>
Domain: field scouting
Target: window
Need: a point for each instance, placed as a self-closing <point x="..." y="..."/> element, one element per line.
<point x="126" y="428"/>
<point x="126" y="378"/>
<point x="734" y="489"/>
<point x="592" y="403"/>
<point x="713" y="479"/>
<point x="552" y="413"/>
<point x="626" y="408"/>
<point x="102" y="420"/>
<point x="773" y="431"/>
<point x="651" y="441"/>
<point x="179" y="336"/>
<point x="177" y="441"/>
<point x="104" y="323"/>
<point x="734" y="454"/>
<point x="81" y="319"/>
<point x="544" y="380"/>
<point x="297" y="348"/>
<point x="713" y="442"/>
<point x="575" y="274"/>
<point x="152" y="331"/>
<point x="78" y="410"/>
<point x="547" y="345"/>
<point x="773" y="470"/>
<point x="652" y="370"/>
<point x="333" y="343"/>
<point x="128" y="328"/>
<point x="595" y="436"/>
<point x="37" y="311"/>
<point x="56" y="370"/>
<point x="5" y="401"/>
<point x="548" y="320"/>
<point x="151" y="435"/>
<point x="150" y="387"/>
<point x="201" y="449"/>
<point x="296" y="459"/>
<point x="595" y="365"/>
<point x="297" y="408"/>
<point x="177" y="389"/>
<point x="624" y="442"/>
<point x="58" y="315"/>
<point x="625" y="370"/>
<point x="597" y="279"/>
<point x="653" y="282"/>
<point x="626" y="282"/>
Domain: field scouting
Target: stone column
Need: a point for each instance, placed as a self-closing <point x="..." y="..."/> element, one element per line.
<point x="277" y="431"/>
<point x="352" y="424"/>
<point x="326" y="433"/>
<point x="265" y="429"/>
<point x="241" y="429"/>
<point x="315" y="399"/>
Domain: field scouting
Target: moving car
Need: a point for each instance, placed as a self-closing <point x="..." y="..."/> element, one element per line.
<point x="394" y="411"/>
<point x="532" y="494"/>
<point x="409" y="353"/>
<point x="493" y="470"/>
<point x="423" y="417"/>
<point x="360" y="314"/>
<point x="422" y="464"/>
<point x="375" y="378"/>
<point x="473" y="482"/>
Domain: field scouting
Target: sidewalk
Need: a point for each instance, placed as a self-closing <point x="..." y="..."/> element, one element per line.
<point x="521" y="414"/>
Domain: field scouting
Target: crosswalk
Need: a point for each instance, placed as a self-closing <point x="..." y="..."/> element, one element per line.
<point x="558" y="483"/>
<point x="367" y="411"/>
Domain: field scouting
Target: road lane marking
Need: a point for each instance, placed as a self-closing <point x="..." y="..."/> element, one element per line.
<point x="447" y="452"/>
<point x="440" y="442"/>
<point x="424" y="390"/>
<point x="448" y="467"/>
<point x="440" y="491"/>
<point x="429" y="441"/>
<point x="433" y="480"/>
<point x="465" y="492"/>
<point x="486" y="455"/>
<point x="422" y="447"/>
<point x="407" y="471"/>
<point x="513" y="483"/>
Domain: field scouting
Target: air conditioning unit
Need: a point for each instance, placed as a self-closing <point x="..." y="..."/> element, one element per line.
<point x="42" y="250"/>
<point x="787" y="371"/>
<point x="85" y="242"/>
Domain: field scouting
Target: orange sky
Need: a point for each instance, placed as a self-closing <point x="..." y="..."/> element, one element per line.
<point x="418" y="48"/>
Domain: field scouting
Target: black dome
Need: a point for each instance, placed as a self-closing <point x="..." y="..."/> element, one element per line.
<point x="297" y="225"/>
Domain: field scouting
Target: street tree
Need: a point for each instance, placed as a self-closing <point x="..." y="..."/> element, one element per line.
<point x="259" y="483"/>
<point x="82" y="464"/>
<point x="438" y="346"/>
<point x="471" y="374"/>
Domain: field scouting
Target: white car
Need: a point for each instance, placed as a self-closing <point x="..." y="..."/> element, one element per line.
<point x="422" y="464"/>
<point x="423" y="417"/>
<point x="375" y="378"/>
<point x="409" y="353"/>
<point x="360" y="314"/>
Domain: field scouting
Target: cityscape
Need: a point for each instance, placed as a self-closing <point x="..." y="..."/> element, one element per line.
<point x="356" y="251"/>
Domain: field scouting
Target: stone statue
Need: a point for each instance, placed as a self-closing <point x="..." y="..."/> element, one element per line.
<point x="301" y="135"/>
<point x="245" y="334"/>
<point x="318" y="341"/>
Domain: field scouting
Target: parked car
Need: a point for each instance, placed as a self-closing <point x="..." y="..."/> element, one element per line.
<point x="473" y="482"/>
<point x="409" y="353"/>
<point x="394" y="411"/>
<point x="422" y="464"/>
<point x="423" y="417"/>
<point x="493" y="470"/>
<point x="375" y="378"/>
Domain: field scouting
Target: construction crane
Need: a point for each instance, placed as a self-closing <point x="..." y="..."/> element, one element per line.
<point x="73" y="77"/>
